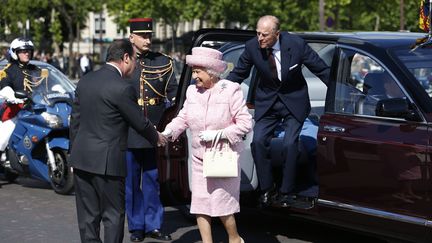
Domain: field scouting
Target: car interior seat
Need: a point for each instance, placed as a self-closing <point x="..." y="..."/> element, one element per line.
<point x="373" y="88"/>
<point x="374" y="83"/>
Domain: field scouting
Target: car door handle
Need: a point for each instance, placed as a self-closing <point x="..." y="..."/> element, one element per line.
<point x="334" y="129"/>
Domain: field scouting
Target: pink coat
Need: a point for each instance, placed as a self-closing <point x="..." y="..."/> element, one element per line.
<point x="221" y="107"/>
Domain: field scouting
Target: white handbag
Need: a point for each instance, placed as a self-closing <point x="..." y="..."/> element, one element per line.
<point x="220" y="161"/>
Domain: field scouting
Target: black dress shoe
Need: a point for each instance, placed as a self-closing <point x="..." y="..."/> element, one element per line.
<point x="285" y="200"/>
<point x="156" y="234"/>
<point x="137" y="236"/>
<point x="267" y="197"/>
<point x="305" y="202"/>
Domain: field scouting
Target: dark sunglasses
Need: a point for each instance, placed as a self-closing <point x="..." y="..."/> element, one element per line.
<point x="24" y="51"/>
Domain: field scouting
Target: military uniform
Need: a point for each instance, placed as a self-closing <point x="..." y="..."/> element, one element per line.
<point x="156" y="88"/>
<point x="17" y="76"/>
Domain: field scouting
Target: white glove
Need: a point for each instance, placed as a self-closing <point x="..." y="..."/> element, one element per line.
<point x="207" y="135"/>
<point x="14" y="101"/>
<point x="167" y="133"/>
<point x="7" y="93"/>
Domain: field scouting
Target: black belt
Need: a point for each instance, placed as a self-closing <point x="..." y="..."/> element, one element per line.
<point x="150" y="101"/>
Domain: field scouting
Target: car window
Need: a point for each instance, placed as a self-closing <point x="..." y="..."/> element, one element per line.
<point x="316" y="88"/>
<point x="231" y="53"/>
<point x="419" y="63"/>
<point x="361" y="83"/>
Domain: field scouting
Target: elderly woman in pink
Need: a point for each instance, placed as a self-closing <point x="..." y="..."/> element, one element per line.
<point x="212" y="104"/>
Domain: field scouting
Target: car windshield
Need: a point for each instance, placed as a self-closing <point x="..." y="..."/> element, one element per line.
<point x="419" y="63"/>
<point x="49" y="84"/>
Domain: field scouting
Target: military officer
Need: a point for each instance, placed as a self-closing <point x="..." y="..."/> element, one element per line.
<point x="156" y="88"/>
<point x="16" y="76"/>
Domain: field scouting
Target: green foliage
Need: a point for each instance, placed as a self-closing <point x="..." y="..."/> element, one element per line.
<point x="295" y="15"/>
<point x="55" y="28"/>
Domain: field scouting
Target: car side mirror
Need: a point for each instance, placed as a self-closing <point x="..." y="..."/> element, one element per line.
<point x="397" y="108"/>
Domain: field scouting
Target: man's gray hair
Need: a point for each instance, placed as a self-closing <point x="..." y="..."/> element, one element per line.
<point x="271" y="18"/>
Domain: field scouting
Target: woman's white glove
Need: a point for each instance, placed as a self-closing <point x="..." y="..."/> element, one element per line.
<point x="167" y="133"/>
<point x="15" y="101"/>
<point x="209" y="135"/>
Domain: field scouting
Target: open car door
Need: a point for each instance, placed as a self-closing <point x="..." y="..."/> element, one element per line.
<point x="174" y="160"/>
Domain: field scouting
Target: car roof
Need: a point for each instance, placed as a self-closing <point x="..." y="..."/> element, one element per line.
<point x="381" y="39"/>
<point x="376" y="38"/>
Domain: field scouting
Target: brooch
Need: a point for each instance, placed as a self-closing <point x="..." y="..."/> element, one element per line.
<point x="223" y="85"/>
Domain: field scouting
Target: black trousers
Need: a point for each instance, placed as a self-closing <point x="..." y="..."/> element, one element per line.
<point x="100" y="198"/>
<point x="263" y="133"/>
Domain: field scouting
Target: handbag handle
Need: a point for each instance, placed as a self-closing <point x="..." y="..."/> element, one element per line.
<point x="216" y="139"/>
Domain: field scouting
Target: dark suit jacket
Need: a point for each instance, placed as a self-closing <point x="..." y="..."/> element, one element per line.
<point x="153" y="61"/>
<point x="104" y="107"/>
<point x="292" y="90"/>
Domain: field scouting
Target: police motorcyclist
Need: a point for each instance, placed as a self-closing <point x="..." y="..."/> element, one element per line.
<point x="16" y="76"/>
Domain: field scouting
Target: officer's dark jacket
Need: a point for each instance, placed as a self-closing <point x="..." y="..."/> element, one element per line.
<point x="154" y="104"/>
<point x="14" y="73"/>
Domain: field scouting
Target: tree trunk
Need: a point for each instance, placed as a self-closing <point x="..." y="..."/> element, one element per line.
<point x="321" y="15"/>
<point x="402" y="15"/>
<point x="55" y="45"/>
<point x="173" y="36"/>
<point x="377" y="22"/>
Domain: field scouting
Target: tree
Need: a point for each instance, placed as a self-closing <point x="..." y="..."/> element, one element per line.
<point x="74" y="14"/>
<point x="171" y="12"/>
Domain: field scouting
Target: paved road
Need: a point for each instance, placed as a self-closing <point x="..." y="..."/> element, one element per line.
<point x="31" y="212"/>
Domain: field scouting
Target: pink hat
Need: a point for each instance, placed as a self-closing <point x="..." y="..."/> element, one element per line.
<point x="207" y="58"/>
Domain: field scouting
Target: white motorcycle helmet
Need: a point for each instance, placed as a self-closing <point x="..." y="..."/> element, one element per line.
<point x="20" y="44"/>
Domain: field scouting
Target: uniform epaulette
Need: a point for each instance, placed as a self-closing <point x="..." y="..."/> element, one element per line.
<point x="166" y="55"/>
<point x="3" y="73"/>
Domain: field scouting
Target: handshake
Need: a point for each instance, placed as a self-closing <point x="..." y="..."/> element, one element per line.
<point x="205" y="136"/>
<point x="164" y="137"/>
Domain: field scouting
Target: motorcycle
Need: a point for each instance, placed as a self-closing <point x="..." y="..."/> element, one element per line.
<point x="40" y="140"/>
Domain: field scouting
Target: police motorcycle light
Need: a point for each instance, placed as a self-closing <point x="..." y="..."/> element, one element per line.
<point x="52" y="120"/>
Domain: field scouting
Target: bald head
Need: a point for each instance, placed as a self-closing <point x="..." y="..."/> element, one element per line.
<point x="267" y="31"/>
<point x="269" y="20"/>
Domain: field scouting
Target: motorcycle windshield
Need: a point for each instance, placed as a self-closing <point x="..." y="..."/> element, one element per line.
<point x="48" y="85"/>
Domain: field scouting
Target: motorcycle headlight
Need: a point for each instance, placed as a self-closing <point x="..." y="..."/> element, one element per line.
<point x="52" y="120"/>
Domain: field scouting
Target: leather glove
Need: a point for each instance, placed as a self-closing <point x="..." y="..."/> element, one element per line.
<point x="207" y="135"/>
<point x="167" y="133"/>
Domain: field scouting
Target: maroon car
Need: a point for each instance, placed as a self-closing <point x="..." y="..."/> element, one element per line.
<point x="369" y="135"/>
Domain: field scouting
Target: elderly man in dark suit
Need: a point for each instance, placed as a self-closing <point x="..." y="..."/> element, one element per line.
<point x="104" y="108"/>
<point x="281" y="98"/>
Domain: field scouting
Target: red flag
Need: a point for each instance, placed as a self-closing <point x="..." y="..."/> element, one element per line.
<point x="424" y="15"/>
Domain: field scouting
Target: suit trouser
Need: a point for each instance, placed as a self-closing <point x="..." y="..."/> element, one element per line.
<point x="263" y="133"/>
<point x="143" y="206"/>
<point x="99" y="197"/>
